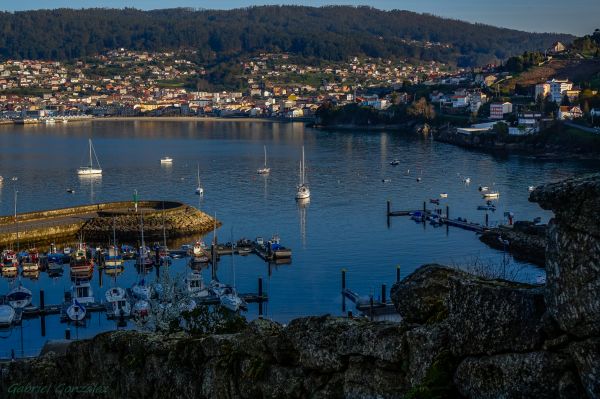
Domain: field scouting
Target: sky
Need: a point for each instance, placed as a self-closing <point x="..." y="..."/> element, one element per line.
<point x="577" y="17"/>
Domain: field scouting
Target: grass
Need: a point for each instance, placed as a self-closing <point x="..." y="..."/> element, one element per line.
<point x="170" y="83"/>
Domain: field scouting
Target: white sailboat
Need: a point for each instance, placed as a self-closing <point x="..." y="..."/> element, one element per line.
<point x="303" y="191"/>
<point x="264" y="170"/>
<point x="89" y="170"/>
<point x="76" y="311"/>
<point x="199" y="189"/>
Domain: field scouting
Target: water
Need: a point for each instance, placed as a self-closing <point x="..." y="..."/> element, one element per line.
<point x="343" y="226"/>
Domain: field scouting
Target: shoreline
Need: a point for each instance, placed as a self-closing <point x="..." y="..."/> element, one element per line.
<point x="190" y="119"/>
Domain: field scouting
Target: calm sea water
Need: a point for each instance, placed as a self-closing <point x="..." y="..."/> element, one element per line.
<point x="343" y="226"/>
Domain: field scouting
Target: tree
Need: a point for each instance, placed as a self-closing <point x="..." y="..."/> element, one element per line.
<point x="421" y="108"/>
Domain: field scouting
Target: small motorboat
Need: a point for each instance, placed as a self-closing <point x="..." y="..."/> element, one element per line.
<point x="434" y="201"/>
<point x="166" y="160"/>
<point x="483" y="188"/>
<point x="386" y="180"/>
<point x="14" y="178"/>
<point x="444" y="195"/>
<point x="467" y="180"/>
<point x="114" y="294"/>
<point x="19" y="297"/>
<point x="493" y="194"/>
<point x="7" y="315"/>
<point x="418" y="179"/>
<point x="76" y="311"/>
<point x="395" y="162"/>
<point x="531" y="188"/>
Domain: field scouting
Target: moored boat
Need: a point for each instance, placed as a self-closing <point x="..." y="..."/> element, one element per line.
<point x="7" y="315"/>
<point x="19" y="297"/>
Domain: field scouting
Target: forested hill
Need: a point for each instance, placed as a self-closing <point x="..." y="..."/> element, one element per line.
<point x="330" y="33"/>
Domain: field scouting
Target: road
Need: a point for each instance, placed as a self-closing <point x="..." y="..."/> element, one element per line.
<point x="41" y="223"/>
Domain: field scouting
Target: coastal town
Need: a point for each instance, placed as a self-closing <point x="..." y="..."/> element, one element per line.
<point x="125" y="83"/>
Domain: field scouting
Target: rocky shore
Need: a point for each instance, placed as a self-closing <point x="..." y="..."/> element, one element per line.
<point x="461" y="336"/>
<point x="525" y="241"/>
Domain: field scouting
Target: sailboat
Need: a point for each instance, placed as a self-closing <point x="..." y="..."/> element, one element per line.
<point x="89" y="170"/>
<point x="113" y="259"/>
<point x="199" y="189"/>
<point x="228" y="295"/>
<point x="303" y="190"/>
<point x="264" y="170"/>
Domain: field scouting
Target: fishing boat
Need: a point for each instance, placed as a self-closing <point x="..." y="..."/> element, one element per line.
<point x="76" y="311"/>
<point x="7" y="315"/>
<point x="55" y="262"/>
<point x="493" y="194"/>
<point x="80" y="263"/>
<point x="19" y="297"/>
<point x="199" y="188"/>
<point x="82" y="291"/>
<point x="10" y="263"/>
<point x="90" y="170"/>
<point x="264" y="170"/>
<point x="194" y="284"/>
<point x="166" y="160"/>
<point x="31" y="261"/>
<point x="303" y="190"/>
<point x="113" y="259"/>
<point x="117" y="304"/>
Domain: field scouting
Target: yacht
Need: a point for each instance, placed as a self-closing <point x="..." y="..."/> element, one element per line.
<point x="166" y="160"/>
<point x="90" y="170"/>
<point x="231" y="300"/>
<point x="264" y="170"/>
<point x="303" y="191"/>
<point x="492" y="194"/>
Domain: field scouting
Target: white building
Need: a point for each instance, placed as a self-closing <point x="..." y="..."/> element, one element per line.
<point x="558" y="88"/>
<point x="497" y="110"/>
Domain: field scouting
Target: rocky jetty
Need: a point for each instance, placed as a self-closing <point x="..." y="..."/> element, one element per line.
<point x="461" y="336"/>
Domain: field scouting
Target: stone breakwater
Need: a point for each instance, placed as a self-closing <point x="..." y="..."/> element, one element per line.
<point x="461" y="336"/>
<point x="95" y="223"/>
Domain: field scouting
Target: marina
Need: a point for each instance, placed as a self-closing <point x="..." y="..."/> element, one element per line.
<point x="341" y="226"/>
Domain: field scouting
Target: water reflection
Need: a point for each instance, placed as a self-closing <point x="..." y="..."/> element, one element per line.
<point x="302" y="208"/>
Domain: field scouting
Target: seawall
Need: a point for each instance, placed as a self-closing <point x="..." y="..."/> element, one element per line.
<point x="95" y="223"/>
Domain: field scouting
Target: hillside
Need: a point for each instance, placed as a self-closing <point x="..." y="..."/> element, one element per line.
<point x="329" y="33"/>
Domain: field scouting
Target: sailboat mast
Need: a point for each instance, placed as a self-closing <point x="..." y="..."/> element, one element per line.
<point x="265" y="148"/>
<point x="143" y="249"/>
<point x="163" y="223"/>
<point x="90" y="143"/>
